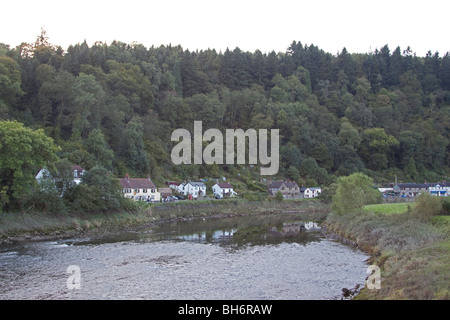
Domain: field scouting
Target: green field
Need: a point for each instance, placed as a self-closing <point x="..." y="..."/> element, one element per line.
<point x="389" y="208"/>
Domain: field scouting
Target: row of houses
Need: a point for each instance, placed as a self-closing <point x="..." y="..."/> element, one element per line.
<point x="407" y="190"/>
<point x="291" y="190"/>
<point x="143" y="189"/>
<point x="197" y="189"/>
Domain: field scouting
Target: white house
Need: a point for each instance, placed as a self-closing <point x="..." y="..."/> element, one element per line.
<point x="312" y="192"/>
<point x="172" y="185"/>
<point x="44" y="174"/>
<point x="77" y="173"/>
<point x="140" y="189"/>
<point x="193" y="188"/>
<point x="440" y="190"/>
<point x="223" y="190"/>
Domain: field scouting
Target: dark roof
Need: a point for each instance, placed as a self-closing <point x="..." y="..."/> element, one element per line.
<point x="165" y="191"/>
<point x="77" y="168"/>
<point x="196" y="183"/>
<point x="225" y="185"/>
<point x="277" y="184"/>
<point x="414" y="185"/>
<point x="139" y="183"/>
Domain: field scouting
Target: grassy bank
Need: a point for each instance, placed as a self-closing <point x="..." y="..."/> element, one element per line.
<point x="413" y="253"/>
<point x="38" y="225"/>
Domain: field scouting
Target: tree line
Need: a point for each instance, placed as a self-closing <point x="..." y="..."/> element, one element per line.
<point x="384" y="113"/>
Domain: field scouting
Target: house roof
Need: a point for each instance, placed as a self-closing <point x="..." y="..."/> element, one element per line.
<point x="77" y="168"/>
<point x="197" y="184"/>
<point x="137" y="183"/>
<point x="288" y="184"/>
<point x="165" y="191"/>
<point x="413" y="185"/>
<point x="224" y="185"/>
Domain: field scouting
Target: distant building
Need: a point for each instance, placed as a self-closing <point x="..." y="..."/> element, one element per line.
<point x="78" y="173"/>
<point x="140" y="189"/>
<point x="289" y="189"/>
<point x="311" y="192"/>
<point x="193" y="188"/>
<point x="44" y="174"/>
<point x="172" y="185"/>
<point x="165" y="192"/>
<point x="411" y="189"/>
<point x="223" y="190"/>
<point x="440" y="189"/>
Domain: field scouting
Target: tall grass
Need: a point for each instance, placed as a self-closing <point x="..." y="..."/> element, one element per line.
<point x="411" y="246"/>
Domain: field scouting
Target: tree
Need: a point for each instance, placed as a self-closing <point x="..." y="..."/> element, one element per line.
<point x="10" y="80"/>
<point x="23" y="152"/>
<point x="131" y="147"/>
<point x="279" y="196"/>
<point x="376" y="148"/>
<point x="354" y="192"/>
<point x="99" y="148"/>
<point x="410" y="169"/>
<point x="348" y="135"/>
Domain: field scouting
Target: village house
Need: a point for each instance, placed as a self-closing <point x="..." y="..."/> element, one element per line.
<point x="77" y="172"/>
<point x="289" y="189"/>
<point x="411" y="189"/>
<point x="311" y="192"/>
<point x="173" y="185"/>
<point x="440" y="189"/>
<point x="165" y="192"/>
<point x="193" y="189"/>
<point x="223" y="190"/>
<point x="140" y="189"/>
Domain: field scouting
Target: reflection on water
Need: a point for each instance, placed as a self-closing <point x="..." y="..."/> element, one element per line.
<point x="271" y="257"/>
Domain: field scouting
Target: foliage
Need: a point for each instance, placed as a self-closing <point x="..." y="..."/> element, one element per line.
<point x="446" y="207"/>
<point x="353" y="192"/>
<point x="23" y="152"/>
<point x="427" y="206"/>
<point x="116" y="105"/>
<point x="279" y="196"/>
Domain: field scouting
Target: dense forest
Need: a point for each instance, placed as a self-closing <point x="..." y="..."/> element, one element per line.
<point x="384" y="113"/>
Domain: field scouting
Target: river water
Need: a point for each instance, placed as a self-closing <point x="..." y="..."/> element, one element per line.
<point x="263" y="257"/>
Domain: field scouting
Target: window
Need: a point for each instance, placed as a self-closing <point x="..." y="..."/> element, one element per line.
<point x="144" y="190"/>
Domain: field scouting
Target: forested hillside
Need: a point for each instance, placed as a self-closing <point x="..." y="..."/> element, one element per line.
<point x="115" y="105"/>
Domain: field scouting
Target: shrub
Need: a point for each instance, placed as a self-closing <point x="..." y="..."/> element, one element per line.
<point x="427" y="206"/>
<point x="446" y="207"/>
<point x="354" y="192"/>
<point x="279" y="196"/>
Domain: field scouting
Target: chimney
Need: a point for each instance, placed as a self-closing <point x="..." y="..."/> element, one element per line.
<point x="127" y="176"/>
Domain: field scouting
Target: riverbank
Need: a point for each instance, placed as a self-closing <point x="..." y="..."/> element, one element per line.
<point x="37" y="226"/>
<point x="412" y="253"/>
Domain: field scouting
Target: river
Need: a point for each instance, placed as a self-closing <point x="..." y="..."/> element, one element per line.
<point x="257" y="258"/>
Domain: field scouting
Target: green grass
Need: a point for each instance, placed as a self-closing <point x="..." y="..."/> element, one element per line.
<point x="389" y="208"/>
<point x="413" y="253"/>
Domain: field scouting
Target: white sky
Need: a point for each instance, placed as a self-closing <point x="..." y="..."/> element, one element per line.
<point x="360" y="26"/>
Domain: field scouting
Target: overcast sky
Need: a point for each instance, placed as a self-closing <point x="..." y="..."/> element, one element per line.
<point x="359" y="25"/>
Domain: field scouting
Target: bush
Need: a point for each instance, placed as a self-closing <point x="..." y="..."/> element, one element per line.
<point x="427" y="206"/>
<point x="279" y="196"/>
<point x="354" y="192"/>
<point x="446" y="207"/>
